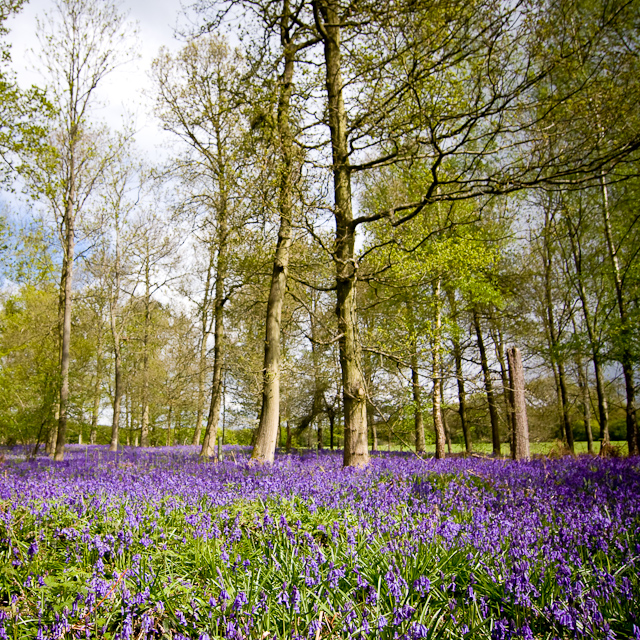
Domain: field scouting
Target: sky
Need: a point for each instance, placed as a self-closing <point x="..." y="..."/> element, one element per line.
<point x="122" y="91"/>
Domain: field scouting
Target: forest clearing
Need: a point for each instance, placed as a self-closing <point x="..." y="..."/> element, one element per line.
<point x="153" y="543"/>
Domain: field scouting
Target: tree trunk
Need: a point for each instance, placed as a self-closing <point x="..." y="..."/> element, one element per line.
<point x="583" y="384"/>
<point x="144" y="422"/>
<point x="96" y="391"/>
<point x="462" y="397"/>
<point x="445" y="424"/>
<point x="436" y="375"/>
<point x="208" y="446"/>
<point x="488" y="385"/>
<point x="626" y="357"/>
<point x="496" y="335"/>
<point x="117" y="393"/>
<point x="65" y="356"/>
<point x="603" y="409"/>
<point x="418" y="418"/>
<point x="554" y="339"/>
<point x="205" y="330"/>
<point x="264" y="449"/>
<point x="521" y="425"/>
<point x="356" y="451"/>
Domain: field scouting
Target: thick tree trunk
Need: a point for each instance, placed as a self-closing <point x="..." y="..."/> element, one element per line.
<point x="356" y="451"/>
<point x="265" y="445"/>
<point x="436" y="375"/>
<point x="521" y="425"/>
<point x="488" y="385"/>
<point x="626" y="357"/>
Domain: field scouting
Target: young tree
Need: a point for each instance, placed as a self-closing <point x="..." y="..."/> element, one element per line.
<point x="82" y="42"/>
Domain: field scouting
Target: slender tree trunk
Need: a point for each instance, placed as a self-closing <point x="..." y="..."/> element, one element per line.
<point x="436" y="375"/>
<point x="508" y="404"/>
<point x="144" y="423"/>
<point x="554" y="339"/>
<point x="118" y="389"/>
<point x="462" y="396"/>
<point x="270" y="412"/>
<point x="205" y="330"/>
<point x="445" y="424"/>
<point x="65" y="355"/>
<point x="356" y="451"/>
<point x="583" y="383"/>
<point x="211" y="432"/>
<point x="603" y="409"/>
<point x="516" y="389"/>
<point x="52" y="435"/>
<point x="488" y="385"/>
<point x="418" y="418"/>
<point x="96" y="391"/>
<point x="626" y="358"/>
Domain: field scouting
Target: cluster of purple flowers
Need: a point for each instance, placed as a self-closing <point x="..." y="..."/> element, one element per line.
<point x="156" y="544"/>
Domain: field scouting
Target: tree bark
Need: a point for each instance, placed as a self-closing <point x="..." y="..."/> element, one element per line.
<point x="521" y="425"/>
<point x="118" y="390"/>
<point x="205" y="330"/>
<point x="144" y="422"/>
<point x="356" y="451"/>
<point x="265" y="445"/>
<point x="208" y="446"/>
<point x="65" y="355"/>
<point x="488" y="385"/>
<point x="445" y="424"/>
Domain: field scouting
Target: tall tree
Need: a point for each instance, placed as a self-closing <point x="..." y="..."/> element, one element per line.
<point x="82" y="41"/>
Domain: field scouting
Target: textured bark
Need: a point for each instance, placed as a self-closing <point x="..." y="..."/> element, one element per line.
<point x="356" y="451"/>
<point x="626" y="357"/>
<point x="267" y="434"/>
<point x="488" y="385"/>
<point x="521" y="425"/>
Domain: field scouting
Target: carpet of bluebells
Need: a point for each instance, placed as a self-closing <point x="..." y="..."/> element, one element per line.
<point x="155" y="544"/>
